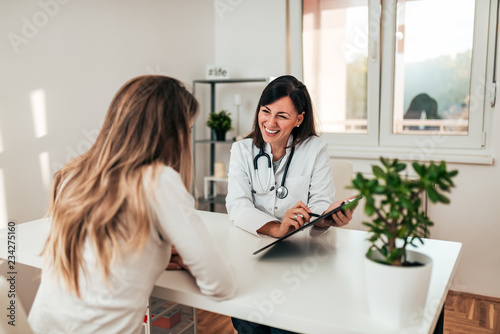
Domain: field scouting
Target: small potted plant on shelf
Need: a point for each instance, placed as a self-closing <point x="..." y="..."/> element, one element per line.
<point x="221" y="123"/>
<point x="397" y="278"/>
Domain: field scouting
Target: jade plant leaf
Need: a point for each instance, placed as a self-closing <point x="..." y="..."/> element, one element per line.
<point x="393" y="202"/>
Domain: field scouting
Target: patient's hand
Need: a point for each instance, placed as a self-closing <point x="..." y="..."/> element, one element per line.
<point x="176" y="262"/>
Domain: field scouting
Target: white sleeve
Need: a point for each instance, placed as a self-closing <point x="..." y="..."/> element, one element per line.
<point x="183" y="227"/>
<point x="322" y="188"/>
<point x="239" y="200"/>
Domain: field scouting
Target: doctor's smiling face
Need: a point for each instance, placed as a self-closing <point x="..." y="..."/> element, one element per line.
<point x="276" y="122"/>
<point x="283" y="105"/>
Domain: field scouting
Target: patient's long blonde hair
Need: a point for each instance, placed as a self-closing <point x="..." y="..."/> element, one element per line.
<point x="100" y="195"/>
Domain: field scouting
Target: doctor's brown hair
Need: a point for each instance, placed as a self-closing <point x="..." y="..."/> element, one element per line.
<point x="101" y="196"/>
<point x="280" y="87"/>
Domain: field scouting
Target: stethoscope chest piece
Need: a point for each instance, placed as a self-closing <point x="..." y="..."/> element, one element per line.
<point x="281" y="192"/>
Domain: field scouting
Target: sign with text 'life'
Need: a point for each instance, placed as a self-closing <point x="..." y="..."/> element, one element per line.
<point x="217" y="72"/>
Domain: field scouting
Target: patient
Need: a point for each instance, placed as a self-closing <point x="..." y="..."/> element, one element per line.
<point x="116" y="212"/>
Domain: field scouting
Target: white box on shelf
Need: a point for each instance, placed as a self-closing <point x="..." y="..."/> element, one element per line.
<point x="206" y="181"/>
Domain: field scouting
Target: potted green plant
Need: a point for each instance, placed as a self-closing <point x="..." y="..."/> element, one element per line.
<point x="398" y="221"/>
<point x="220" y="123"/>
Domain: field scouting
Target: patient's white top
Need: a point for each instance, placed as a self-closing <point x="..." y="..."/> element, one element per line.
<point x="120" y="305"/>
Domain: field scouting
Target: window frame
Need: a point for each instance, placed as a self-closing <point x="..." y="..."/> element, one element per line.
<point x="473" y="140"/>
<point x="371" y="137"/>
<point x="474" y="148"/>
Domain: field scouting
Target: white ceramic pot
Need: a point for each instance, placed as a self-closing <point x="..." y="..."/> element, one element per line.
<point x="396" y="295"/>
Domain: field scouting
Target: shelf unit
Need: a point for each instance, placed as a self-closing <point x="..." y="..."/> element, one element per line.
<point x="212" y="142"/>
<point x="159" y="307"/>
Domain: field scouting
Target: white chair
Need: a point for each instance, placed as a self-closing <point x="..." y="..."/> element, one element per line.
<point x="342" y="176"/>
<point x="21" y="322"/>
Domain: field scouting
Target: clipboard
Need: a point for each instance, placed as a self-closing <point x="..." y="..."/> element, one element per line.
<point x="303" y="227"/>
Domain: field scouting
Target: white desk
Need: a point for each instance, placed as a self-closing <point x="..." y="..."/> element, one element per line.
<point x="310" y="285"/>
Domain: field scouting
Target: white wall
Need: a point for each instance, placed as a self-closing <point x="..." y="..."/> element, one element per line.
<point x="472" y="219"/>
<point x="78" y="58"/>
<point x="250" y="40"/>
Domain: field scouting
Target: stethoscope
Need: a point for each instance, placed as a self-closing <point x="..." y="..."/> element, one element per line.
<point x="282" y="191"/>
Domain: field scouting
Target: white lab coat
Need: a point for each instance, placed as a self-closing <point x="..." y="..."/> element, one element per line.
<point x="309" y="179"/>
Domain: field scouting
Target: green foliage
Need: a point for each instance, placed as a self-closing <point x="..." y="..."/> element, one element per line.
<point x="356" y="87"/>
<point x="394" y="203"/>
<point x="450" y="82"/>
<point x="219" y="121"/>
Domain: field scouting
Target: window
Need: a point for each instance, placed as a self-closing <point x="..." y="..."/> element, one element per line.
<point x="393" y="74"/>
<point x="433" y="67"/>
<point x="341" y="78"/>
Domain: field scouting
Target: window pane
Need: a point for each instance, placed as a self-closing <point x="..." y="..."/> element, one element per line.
<point x="433" y="66"/>
<point x="335" y="44"/>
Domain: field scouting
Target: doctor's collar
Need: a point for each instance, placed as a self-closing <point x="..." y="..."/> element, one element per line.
<point x="267" y="146"/>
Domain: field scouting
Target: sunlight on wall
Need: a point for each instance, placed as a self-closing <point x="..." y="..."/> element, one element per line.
<point x="1" y="141"/>
<point x="38" y="109"/>
<point x="45" y="169"/>
<point x="3" y="205"/>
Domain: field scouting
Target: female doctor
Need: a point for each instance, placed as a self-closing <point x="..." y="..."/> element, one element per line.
<point x="281" y="173"/>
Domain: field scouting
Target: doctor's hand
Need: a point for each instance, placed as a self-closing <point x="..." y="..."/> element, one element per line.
<point x="339" y="218"/>
<point x="294" y="218"/>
